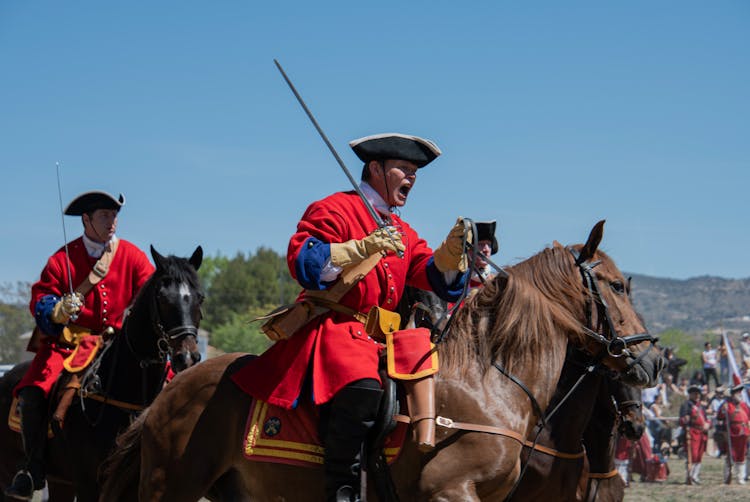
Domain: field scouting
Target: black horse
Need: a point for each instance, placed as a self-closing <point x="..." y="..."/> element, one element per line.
<point x="125" y="378"/>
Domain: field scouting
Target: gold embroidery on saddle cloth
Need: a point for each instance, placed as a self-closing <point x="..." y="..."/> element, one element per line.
<point x="277" y="435"/>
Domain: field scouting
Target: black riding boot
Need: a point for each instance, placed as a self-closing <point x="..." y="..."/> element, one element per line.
<point x="352" y="413"/>
<point x="30" y="477"/>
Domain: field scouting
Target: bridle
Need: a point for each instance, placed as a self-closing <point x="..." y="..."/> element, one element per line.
<point x="165" y="336"/>
<point x="603" y="329"/>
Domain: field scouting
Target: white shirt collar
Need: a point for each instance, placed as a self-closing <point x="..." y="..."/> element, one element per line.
<point x="375" y="199"/>
<point x="96" y="249"/>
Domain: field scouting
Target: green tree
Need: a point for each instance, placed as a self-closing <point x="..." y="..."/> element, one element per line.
<point x="234" y="285"/>
<point x="14" y="321"/>
<point x="240" y="335"/>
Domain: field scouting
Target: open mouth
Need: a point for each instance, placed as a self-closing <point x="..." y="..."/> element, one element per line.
<point x="404" y="190"/>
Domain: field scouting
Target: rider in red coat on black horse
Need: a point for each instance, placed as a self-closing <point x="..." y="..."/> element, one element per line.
<point x="332" y="359"/>
<point x="107" y="272"/>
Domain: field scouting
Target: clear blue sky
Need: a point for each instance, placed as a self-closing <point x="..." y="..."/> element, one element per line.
<point x="551" y="115"/>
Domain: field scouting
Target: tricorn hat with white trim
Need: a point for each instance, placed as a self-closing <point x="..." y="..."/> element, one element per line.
<point x="93" y="200"/>
<point x="395" y="146"/>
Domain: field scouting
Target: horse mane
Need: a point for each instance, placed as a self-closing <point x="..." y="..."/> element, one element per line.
<point x="175" y="267"/>
<point x="509" y="320"/>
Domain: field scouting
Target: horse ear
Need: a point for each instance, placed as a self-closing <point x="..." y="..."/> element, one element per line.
<point x="158" y="259"/>
<point x="197" y="258"/>
<point x="556" y="244"/>
<point x="595" y="237"/>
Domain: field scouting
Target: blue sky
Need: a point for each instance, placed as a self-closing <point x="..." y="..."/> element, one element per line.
<point x="551" y="115"/>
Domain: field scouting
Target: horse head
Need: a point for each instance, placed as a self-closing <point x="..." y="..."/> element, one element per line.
<point x="626" y="400"/>
<point x="421" y="309"/>
<point x="177" y="310"/>
<point x="614" y="330"/>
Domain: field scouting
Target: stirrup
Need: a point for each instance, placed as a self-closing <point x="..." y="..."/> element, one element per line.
<point x="14" y="492"/>
<point x="346" y="493"/>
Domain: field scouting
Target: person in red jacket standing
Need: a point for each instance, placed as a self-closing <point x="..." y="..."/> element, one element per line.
<point x="106" y="273"/>
<point x="332" y="359"/>
<point x="693" y="420"/>
<point x="734" y="415"/>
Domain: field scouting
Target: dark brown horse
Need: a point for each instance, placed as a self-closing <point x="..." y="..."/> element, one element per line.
<point x="555" y="460"/>
<point x="618" y="410"/>
<point x="499" y="368"/>
<point x="163" y="320"/>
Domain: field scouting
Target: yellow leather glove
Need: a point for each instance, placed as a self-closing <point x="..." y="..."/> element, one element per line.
<point x="450" y="254"/>
<point x="68" y="306"/>
<point x="356" y="250"/>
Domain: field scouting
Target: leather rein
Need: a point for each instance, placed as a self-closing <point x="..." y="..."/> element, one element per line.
<point x="91" y="387"/>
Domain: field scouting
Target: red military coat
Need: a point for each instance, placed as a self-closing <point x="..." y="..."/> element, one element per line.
<point x="103" y="306"/>
<point x="334" y="347"/>
<point x="693" y="418"/>
<point x="738" y="415"/>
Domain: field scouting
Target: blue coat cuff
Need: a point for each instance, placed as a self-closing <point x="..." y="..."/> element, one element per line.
<point x="310" y="262"/>
<point x="42" y="313"/>
<point x="448" y="292"/>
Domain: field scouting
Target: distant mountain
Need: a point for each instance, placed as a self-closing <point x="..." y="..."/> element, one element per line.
<point x="694" y="305"/>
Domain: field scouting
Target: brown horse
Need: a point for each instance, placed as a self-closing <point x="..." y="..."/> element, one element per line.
<point x="555" y="460"/>
<point x="129" y="373"/>
<point x="499" y="368"/>
<point x="618" y="410"/>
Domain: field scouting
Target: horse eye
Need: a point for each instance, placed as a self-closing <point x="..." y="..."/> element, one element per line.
<point x="617" y="287"/>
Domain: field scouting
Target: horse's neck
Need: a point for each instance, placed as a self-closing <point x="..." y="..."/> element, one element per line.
<point x="600" y="436"/>
<point x="567" y="424"/>
<point x="491" y="398"/>
<point x="123" y="372"/>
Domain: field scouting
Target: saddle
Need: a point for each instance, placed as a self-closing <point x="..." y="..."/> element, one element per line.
<point x="67" y="384"/>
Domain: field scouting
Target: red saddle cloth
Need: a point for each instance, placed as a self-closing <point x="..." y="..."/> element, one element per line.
<point x="275" y="434"/>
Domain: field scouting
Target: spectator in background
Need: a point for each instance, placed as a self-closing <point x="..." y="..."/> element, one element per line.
<point x="710" y="362"/>
<point x="698" y="379"/>
<point x="720" y="433"/>
<point x="674" y="363"/>
<point x="745" y="351"/>
<point x="670" y="388"/>
<point x="724" y="361"/>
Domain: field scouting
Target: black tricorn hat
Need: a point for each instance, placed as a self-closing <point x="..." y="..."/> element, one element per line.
<point x="486" y="232"/>
<point x="395" y="146"/>
<point x="737" y="388"/>
<point x="93" y="200"/>
<point x="694" y="388"/>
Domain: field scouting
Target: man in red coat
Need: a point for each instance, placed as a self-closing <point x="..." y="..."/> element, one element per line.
<point x="106" y="273"/>
<point x="734" y="415"/>
<point x="693" y="420"/>
<point x="332" y="360"/>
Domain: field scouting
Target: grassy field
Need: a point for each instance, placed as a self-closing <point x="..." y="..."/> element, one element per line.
<point x="712" y="487"/>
